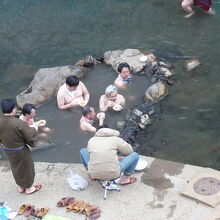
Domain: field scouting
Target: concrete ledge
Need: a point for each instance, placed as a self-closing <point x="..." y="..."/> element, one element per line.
<point x="155" y="196"/>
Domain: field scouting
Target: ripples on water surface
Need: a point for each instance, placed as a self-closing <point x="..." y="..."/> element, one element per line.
<point x="37" y="34"/>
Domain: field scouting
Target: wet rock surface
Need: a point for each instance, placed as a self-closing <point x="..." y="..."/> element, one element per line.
<point x="89" y="61"/>
<point x="155" y="175"/>
<point x="156" y="92"/>
<point x="46" y="83"/>
<point x="158" y="182"/>
<point x="136" y="121"/>
<point x="192" y="64"/>
<point x="131" y="56"/>
<point x="159" y="71"/>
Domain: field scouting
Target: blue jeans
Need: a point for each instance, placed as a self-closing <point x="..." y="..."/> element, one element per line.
<point x="127" y="164"/>
<point x="84" y="156"/>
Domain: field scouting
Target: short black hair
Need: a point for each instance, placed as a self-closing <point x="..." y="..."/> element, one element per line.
<point x="102" y="126"/>
<point x="72" y="81"/>
<point x="122" y="65"/>
<point x="26" y="110"/>
<point x="86" y="110"/>
<point x="8" y="105"/>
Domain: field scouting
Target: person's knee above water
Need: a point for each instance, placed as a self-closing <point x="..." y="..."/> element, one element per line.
<point x="72" y="93"/>
<point x="111" y="99"/>
<point x="87" y="119"/>
<point x="124" y="76"/>
<point x="15" y="135"/>
<point x="101" y="156"/>
<point x="204" y="4"/>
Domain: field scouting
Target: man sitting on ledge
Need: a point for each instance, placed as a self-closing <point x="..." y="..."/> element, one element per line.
<point x="72" y="93"/>
<point x="101" y="156"/>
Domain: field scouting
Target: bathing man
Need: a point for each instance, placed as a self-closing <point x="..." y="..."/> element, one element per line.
<point x="124" y="76"/>
<point x="87" y="120"/>
<point x="28" y="114"/>
<point x="72" y="93"/>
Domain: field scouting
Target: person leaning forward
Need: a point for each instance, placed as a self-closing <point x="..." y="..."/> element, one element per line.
<point x="15" y="135"/>
<point x="72" y="93"/>
<point x="87" y="119"/>
<point x="203" y="4"/>
<point x="101" y="159"/>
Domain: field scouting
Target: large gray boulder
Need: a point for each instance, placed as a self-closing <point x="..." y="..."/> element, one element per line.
<point x="136" y="59"/>
<point x="46" y="83"/>
<point x="156" y="92"/>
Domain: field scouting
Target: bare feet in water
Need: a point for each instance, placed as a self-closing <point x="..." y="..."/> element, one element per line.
<point x="211" y="11"/>
<point x="190" y="14"/>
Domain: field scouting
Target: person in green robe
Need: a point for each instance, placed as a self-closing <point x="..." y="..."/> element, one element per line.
<point x="15" y="135"/>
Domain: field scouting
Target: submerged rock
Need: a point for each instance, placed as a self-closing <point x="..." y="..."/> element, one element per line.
<point x="145" y="119"/>
<point x="89" y="61"/>
<point x="166" y="71"/>
<point x="131" y="56"/>
<point x="43" y="144"/>
<point x="137" y="112"/>
<point x="46" y="83"/>
<point x="159" y="71"/>
<point x="80" y="63"/>
<point x="192" y="64"/>
<point x="136" y="120"/>
<point x="120" y="124"/>
<point x="150" y="55"/>
<point x="156" y="92"/>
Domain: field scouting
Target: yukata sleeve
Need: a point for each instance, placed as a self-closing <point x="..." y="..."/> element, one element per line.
<point x="29" y="134"/>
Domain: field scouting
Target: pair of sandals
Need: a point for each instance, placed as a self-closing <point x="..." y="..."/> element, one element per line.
<point x="78" y="206"/>
<point x="28" y="209"/>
